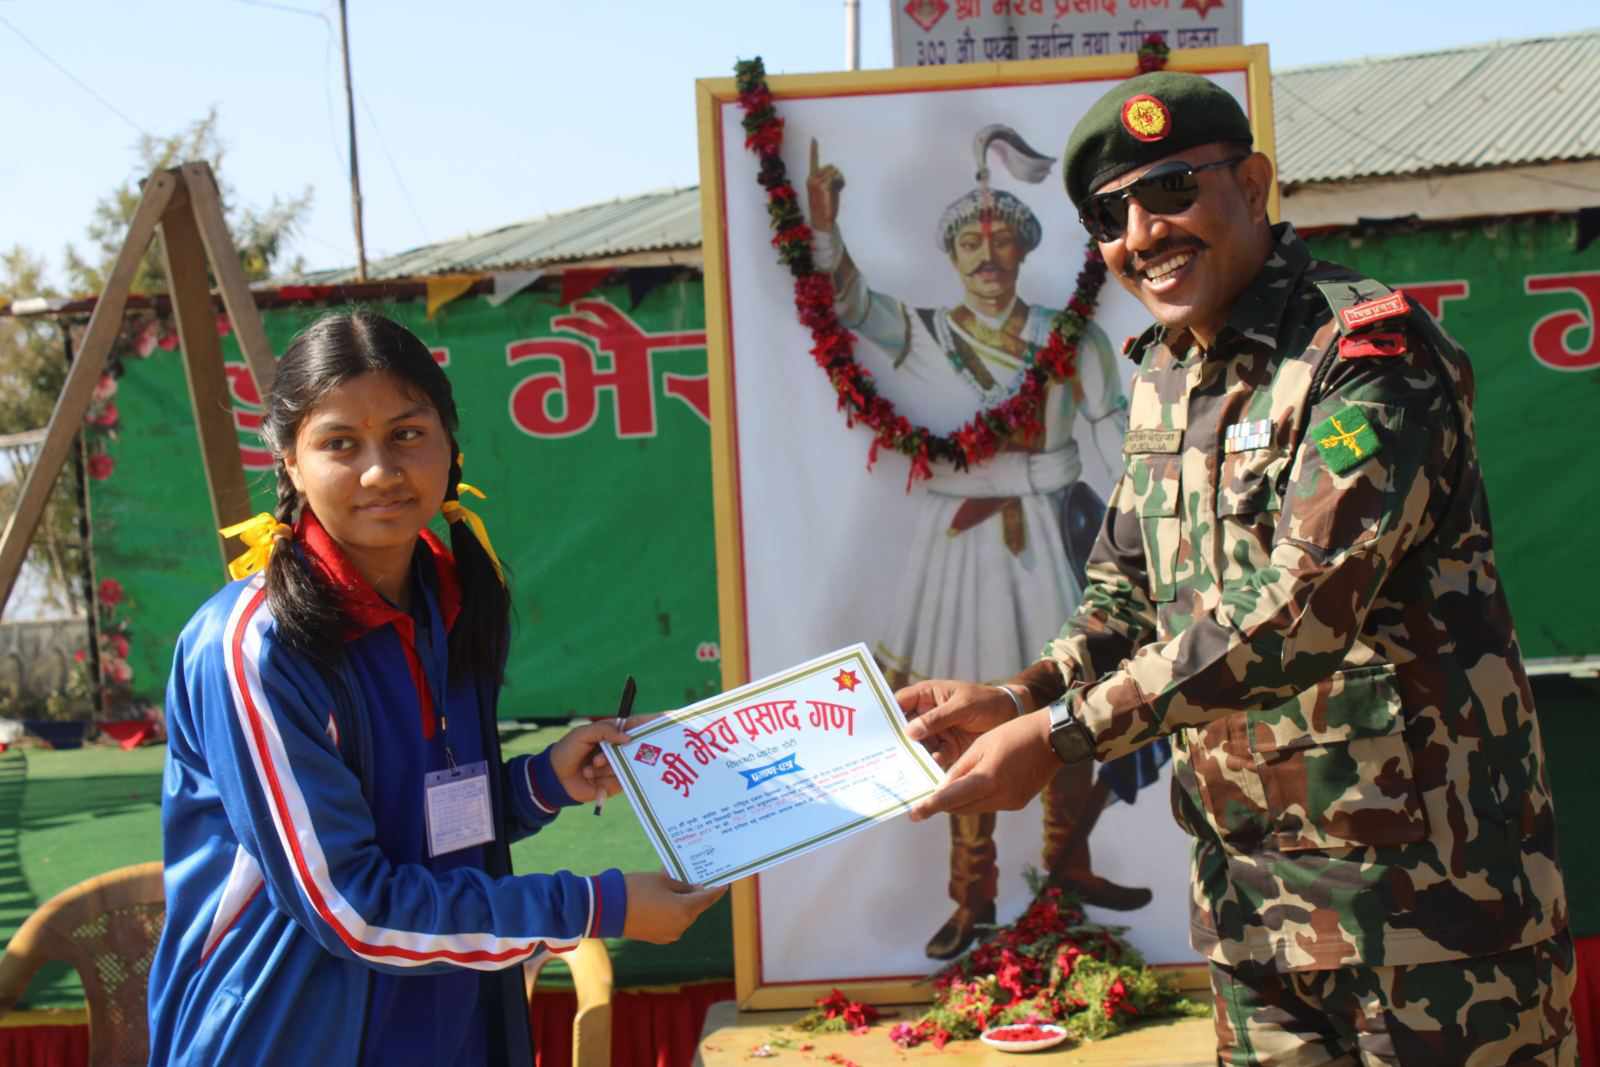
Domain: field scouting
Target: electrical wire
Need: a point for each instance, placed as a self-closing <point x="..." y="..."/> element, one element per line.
<point x="79" y="82"/>
<point x="384" y="145"/>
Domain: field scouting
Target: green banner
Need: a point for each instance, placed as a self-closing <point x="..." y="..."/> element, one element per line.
<point x="587" y="426"/>
<point x="1523" y="301"/>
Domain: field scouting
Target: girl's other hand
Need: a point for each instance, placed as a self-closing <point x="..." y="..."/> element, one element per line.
<point x="660" y="908"/>
<point x="578" y="762"/>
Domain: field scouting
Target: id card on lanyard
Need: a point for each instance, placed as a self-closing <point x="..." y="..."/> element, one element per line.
<point x="457" y="808"/>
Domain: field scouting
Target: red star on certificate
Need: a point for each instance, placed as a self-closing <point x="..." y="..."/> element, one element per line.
<point x="1201" y="7"/>
<point x="847" y="680"/>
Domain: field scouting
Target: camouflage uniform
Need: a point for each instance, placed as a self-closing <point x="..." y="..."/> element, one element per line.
<point x="1296" y="581"/>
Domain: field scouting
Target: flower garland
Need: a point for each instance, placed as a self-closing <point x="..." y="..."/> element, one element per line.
<point x="833" y="346"/>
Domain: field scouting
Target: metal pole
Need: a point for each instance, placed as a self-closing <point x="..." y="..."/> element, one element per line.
<point x="355" y="169"/>
<point x="852" y="34"/>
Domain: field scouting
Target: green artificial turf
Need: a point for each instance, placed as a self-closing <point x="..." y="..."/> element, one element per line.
<point x="66" y="816"/>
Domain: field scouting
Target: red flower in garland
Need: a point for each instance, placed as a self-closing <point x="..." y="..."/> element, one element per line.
<point x="101" y="466"/>
<point x="1153" y="53"/>
<point x="855" y="1014"/>
<point x="110" y="592"/>
<point x="1117" y="1000"/>
<point x="833" y="346"/>
<point x="107" y="417"/>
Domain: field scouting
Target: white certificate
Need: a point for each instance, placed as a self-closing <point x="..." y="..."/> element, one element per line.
<point x="769" y="771"/>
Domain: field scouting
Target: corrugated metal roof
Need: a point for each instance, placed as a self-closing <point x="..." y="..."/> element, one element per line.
<point x="1505" y="103"/>
<point x="659" y="221"/>
<point x="1501" y="104"/>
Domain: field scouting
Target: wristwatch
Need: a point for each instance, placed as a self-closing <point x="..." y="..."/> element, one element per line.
<point x="1069" y="737"/>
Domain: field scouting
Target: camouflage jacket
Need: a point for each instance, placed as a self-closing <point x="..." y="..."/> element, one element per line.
<point x="1296" y="580"/>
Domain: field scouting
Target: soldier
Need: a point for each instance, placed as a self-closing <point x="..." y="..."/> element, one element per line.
<point x="1011" y="521"/>
<point x="1296" y="583"/>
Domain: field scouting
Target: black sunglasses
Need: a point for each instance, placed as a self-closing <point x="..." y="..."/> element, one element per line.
<point x="1169" y="189"/>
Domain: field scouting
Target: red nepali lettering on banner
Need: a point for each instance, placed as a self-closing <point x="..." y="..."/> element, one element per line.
<point x="631" y="377"/>
<point x="1554" y="340"/>
<point x="692" y="390"/>
<point x="1084" y="7"/>
<point x="832" y="716"/>
<point x="245" y="396"/>
<point x="1432" y="296"/>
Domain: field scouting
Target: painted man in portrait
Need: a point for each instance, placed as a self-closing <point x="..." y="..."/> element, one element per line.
<point x="997" y="557"/>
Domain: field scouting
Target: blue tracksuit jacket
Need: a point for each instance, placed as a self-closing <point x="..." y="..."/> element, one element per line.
<point x="305" y="921"/>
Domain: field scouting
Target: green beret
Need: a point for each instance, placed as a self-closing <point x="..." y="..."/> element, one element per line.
<point x="1145" y="119"/>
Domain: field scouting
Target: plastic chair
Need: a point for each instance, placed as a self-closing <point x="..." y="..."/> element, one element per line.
<point x="106" y="928"/>
<point x="590" y="965"/>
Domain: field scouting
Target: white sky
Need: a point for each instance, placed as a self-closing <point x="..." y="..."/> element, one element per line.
<point x="479" y="113"/>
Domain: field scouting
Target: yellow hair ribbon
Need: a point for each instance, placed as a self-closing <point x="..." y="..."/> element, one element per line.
<point x="455" y="511"/>
<point x="458" y="512"/>
<point x="259" y="534"/>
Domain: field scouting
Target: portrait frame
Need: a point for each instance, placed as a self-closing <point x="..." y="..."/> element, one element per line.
<point x="713" y="99"/>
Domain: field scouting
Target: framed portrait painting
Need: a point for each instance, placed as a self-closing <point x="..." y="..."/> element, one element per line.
<point x="937" y="209"/>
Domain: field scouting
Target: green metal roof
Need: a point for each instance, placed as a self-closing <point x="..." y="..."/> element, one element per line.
<point x="1505" y="103"/>
<point x="1501" y="104"/>
<point x="658" y="221"/>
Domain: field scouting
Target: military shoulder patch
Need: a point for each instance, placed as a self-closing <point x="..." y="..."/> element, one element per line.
<point x="1369" y="311"/>
<point x="1345" y="439"/>
<point x="1359" y="346"/>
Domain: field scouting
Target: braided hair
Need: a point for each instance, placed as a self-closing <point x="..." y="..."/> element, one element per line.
<point x="333" y="350"/>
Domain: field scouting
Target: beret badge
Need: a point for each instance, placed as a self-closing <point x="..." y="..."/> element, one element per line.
<point x="1146" y="118"/>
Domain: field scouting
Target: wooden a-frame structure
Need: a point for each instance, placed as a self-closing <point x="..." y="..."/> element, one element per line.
<point x="185" y="205"/>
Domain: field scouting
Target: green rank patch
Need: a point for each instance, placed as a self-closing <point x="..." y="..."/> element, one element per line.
<point x="1345" y="439"/>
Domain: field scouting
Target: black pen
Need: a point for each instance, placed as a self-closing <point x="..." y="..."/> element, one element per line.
<point x="624" y="709"/>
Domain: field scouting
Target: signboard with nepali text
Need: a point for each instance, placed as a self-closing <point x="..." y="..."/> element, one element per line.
<point x="932" y="33"/>
<point x="586" y="425"/>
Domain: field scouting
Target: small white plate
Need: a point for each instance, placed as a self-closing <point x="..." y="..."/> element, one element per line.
<point x="1057" y="1035"/>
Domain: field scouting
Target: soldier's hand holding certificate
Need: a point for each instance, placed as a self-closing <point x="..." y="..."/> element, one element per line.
<point x="758" y="775"/>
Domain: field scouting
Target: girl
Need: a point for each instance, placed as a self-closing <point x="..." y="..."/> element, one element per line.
<point x="336" y="812"/>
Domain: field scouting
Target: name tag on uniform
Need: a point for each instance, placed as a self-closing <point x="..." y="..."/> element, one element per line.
<point x="1247" y="436"/>
<point x="1144" y="441"/>
<point x="457" y="808"/>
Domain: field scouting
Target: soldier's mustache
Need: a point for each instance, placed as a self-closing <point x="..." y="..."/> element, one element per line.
<point x="987" y="264"/>
<point x="1137" y="264"/>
